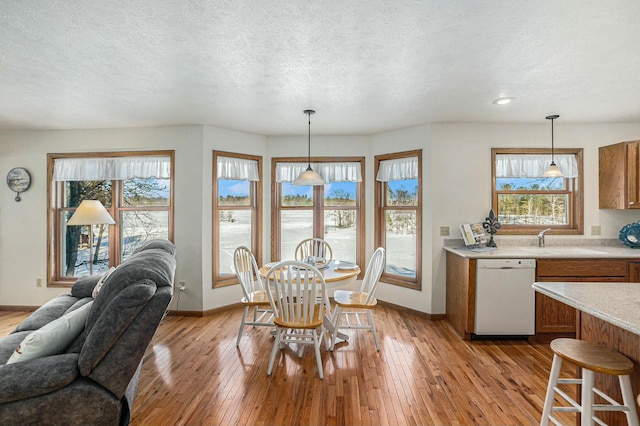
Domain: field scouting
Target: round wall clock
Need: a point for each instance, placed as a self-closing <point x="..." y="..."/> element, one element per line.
<point x="18" y="180"/>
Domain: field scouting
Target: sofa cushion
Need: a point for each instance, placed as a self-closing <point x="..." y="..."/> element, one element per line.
<point x="9" y="343"/>
<point x="52" y="338"/>
<point x="37" y="376"/>
<point x="84" y="285"/>
<point x="52" y="310"/>
<point x="104" y="330"/>
<point x="165" y="245"/>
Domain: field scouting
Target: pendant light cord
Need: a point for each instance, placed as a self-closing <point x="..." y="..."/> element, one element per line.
<point x="309" y="140"/>
<point x="552" y="118"/>
<point x="309" y="112"/>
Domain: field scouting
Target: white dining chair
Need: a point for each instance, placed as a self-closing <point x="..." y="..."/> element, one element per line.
<point x="299" y="313"/>
<point x="254" y="293"/>
<point x="350" y="306"/>
<point x="315" y="247"/>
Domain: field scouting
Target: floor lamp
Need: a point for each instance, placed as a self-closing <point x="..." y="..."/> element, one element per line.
<point x="90" y="212"/>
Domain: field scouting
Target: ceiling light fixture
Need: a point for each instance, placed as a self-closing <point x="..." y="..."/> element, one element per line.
<point x="552" y="170"/>
<point x="309" y="177"/>
<point x="503" y="101"/>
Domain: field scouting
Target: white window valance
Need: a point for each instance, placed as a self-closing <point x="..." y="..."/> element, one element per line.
<point x="534" y="165"/>
<point x="237" y="169"/>
<point x="111" y="168"/>
<point x="398" y="169"/>
<point x="330" y="172"/>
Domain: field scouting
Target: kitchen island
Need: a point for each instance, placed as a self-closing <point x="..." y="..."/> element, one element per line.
<point x="608" y="314"/>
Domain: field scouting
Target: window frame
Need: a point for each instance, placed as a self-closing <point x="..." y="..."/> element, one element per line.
<point x="576" y="195"/>
<point x="55" y="278"/>
<point x="318" y="207"/>
<point x="379" y="215"/>
<point x="219" y="281"/>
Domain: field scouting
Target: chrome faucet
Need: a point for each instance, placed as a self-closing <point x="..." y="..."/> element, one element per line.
<point x="541" y="237"/>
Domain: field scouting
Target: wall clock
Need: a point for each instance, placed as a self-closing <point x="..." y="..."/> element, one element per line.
<point x="18" y="180"/>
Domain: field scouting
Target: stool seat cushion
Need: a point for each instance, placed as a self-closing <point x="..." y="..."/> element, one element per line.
<point x="592" y="356"/>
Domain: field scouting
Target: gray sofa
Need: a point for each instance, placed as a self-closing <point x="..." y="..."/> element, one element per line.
<point x="94" y="380"/>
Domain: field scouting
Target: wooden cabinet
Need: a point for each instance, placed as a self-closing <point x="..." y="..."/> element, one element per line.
<point x="553" y="316"/>
<point x="619" y="175"/>
<point x="461" y="293"/>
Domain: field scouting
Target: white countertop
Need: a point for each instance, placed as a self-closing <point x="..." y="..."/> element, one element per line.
<point x="550" y="252"/>
<point x="616" y="303"/>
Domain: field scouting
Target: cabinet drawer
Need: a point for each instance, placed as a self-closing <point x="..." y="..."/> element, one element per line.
<point x="582" y="268"/>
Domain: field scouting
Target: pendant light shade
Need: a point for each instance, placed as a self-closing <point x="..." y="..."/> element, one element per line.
<point x="552" y="170"/>
<point x="309" y="177"/>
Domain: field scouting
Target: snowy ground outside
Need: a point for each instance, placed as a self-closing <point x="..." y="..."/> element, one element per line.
<point x="297" y="225"/>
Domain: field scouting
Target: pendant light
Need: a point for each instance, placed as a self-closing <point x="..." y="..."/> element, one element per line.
<point x="309" y="177"/>
<point x="552" y="170"/>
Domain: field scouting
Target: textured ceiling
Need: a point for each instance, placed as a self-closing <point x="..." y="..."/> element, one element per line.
<point x="366" y="66"/>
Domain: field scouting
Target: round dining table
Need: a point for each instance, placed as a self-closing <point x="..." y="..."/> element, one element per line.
<point x="336" y="274"/>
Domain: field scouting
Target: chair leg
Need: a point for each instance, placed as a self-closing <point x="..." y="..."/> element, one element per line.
<point x="587" y="397"/>
<point x="336" y="326"/>
<point x="553" y="381"/>
<point x="244" y="320"/>
<point x="373" y="328"/>
<point x="316" y="347"/>
<point x="628" y="400"/>
<point x="274" y="350"/>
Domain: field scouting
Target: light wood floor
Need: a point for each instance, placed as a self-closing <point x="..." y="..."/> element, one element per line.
<point x="424" y="374"/>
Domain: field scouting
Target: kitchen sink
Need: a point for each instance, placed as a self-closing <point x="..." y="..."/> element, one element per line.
<point x="562" y="251"/>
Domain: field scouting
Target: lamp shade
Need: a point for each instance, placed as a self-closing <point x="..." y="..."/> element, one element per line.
<point x="90" y="212"/>
<point x="553" y="171"/>
<point x="309" y="178"/>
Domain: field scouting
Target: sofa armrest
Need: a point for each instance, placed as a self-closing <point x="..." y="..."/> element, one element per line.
<point x="37" y="376"/>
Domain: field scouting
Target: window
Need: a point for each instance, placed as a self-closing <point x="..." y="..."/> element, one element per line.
<point x="135" y="187"/>
<point x="398" y="216"/>
<point x="237" y="212"/>
<point x="526" y="202"/>
<point x="333" y="212"/>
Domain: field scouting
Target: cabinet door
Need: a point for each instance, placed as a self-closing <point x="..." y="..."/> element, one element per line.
<point x="634" y="272"/>
<point x="619" y="175"/>
<point x="553" y="316"/>
<point x="633" y="175"/>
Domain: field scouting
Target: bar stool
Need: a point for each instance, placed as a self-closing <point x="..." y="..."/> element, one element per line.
<point x="591" y="358"/>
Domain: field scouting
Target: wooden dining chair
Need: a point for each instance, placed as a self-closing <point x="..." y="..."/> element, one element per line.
<point x="254" y="293"/>
<point x="299" y="313"/>
<point x="351" y="305"/>
<point x="316" y="247"/>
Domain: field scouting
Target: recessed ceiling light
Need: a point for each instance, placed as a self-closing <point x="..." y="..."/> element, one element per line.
<point x="503" y="101"/>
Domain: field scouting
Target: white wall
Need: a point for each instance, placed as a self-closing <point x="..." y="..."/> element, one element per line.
<point x="23" y="225"/>
<point x="461" y="173"/>
<point x="456" y="189"/>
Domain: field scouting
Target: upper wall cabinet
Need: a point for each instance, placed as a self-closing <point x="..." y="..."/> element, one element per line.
<point x="619" y="175"/>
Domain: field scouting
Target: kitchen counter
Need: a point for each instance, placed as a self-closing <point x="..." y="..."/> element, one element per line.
<point x="615" y="303"/>
<point x="549" y="252"/>
<point x="583" y="261"/>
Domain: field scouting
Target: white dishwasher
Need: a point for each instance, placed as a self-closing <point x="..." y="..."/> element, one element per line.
<point x="505" y="300"/>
